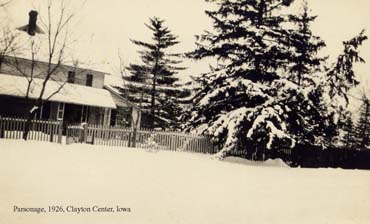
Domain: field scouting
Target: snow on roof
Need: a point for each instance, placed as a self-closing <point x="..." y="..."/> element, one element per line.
<point x="68" y="65"/>
<point x="70" y="93"/>
<point x="118" y="98"/>
<point x="173" y="87"/>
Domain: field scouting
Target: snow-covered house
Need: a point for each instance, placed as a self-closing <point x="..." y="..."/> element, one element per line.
<point x="82" y="95"/>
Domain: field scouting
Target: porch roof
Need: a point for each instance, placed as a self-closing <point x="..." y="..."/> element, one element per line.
<point x="11" y="85"/>
<point x="118" y="99"/>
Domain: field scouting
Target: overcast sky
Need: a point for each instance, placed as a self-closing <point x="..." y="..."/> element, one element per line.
<point x="102" y="28"/>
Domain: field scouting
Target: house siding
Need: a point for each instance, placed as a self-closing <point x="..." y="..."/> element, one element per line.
<point x="22" y="67"/>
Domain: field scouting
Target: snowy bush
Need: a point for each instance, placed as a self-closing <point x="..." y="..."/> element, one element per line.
<point x="151" y="145"/>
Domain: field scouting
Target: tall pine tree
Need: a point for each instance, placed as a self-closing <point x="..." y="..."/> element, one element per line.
<point x="349" y="133"/>
<point x="152" y="83"/>
<point x="235" y="102"/>
<point x="305" y="60"/>
<point x="304" y="66"/>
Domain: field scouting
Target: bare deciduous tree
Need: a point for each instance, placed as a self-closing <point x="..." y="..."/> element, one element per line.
<point x="123" y="73"/>
<point x="55" y="27"/>
<point x="8" y="41"/>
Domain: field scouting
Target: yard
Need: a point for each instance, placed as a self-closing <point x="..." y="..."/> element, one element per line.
<point x="171" y="187"/>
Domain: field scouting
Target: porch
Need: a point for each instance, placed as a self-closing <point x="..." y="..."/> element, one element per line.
<point x="71" y="104"/>
<point x="67" y="113"/>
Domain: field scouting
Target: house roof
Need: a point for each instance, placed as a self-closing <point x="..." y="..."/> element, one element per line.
<point x="64" y="65"/>
<point x="11" y="85"/>
<point x="119" y="100"/>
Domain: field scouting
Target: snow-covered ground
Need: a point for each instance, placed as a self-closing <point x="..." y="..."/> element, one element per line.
<point x="172" y="187"/>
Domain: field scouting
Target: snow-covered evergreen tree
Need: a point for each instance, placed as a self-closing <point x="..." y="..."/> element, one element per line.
<point x="349" y="133"/>
<point x="363" y="125"/>
<point x="305" y="60"/>
<point x="341" y="77"/>
<point x="152" y="83"/>
<point x="267" y="91"/>
<point x="335" y="86"/>
<point x="304" y="70"/>
<point x="243" y="102"/>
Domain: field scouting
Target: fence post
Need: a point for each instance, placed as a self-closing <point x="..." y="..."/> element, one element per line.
<point x="129" y="139"/>
<point x="1" y="128"/>
<point x="93" y="137"/>
<point x="85" y="127"/>
<point x="51" y="130"/>
<point x="60" y="132"/>
<point x="134" y="137"/>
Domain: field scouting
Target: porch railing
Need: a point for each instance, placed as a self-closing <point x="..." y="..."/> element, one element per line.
<point x="40" y="130"/>
<point x="141" y="138"/>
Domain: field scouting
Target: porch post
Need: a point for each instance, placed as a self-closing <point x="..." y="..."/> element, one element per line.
<point x="82" y="113"/>
<point x="41" y="109"/>
<point x="87" y="114"/>
<point x="107" y="115"/>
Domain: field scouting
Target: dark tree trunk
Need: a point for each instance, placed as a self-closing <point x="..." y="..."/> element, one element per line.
<point x="152" y="106"/>
<point x="365" y="138"/>
<point x="261" y="12"/>
<point x="30" y="115"/>
<point x="134" y="134"/>
<point x="28" y="125"/>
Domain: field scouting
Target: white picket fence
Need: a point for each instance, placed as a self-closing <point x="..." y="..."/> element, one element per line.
<point x="40" y="130"/>
<point x="143" y="138"/>
<point x="52" y="131"/>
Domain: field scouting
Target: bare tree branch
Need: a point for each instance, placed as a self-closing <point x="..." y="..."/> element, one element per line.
<point x="8" y="42"/>
<point x="5" y="3"/>
<point x="57" y="39"/>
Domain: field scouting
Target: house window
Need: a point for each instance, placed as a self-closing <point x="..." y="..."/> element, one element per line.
<point x="89" y="80"/>
<point x="71" y="77"/>
<point x="60" y="112"/>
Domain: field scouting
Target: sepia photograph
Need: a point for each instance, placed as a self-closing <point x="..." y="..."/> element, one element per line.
<point x="184" y="112"/>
